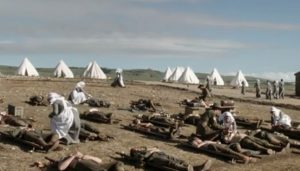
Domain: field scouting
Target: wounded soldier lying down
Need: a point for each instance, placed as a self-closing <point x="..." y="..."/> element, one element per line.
<point x="36" y="139"/>
<point x="95" y="115"/>
<point x="152" y="129"/>
<point x="91" y="133"/>
<point x="13" y="120"/>
<point x="156" y="158"/>
<point x="220" y="150"/>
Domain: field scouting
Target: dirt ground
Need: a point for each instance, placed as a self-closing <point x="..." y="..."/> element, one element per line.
<point x="15" y="158"/>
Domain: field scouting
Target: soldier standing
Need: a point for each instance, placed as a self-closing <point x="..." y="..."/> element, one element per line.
<point x="257" y="88"/>
<point x="269" y="91"/>
<point x="275" y="90"/>
<point x="208" y="84"/>
<point x="281" y="89"/>
<point x="243" y="88"/>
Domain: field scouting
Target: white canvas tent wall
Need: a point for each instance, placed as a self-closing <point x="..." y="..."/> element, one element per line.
<point x="176" y="74"/>
<point x="62" y="70"/>
<point x="94" y="71"/>
<point x="27" y="69"/>
<point x="167" y="74"/>
<point x="216" y="77"/>
<point x="237" y="80"/>
<point x="188" y="77"/>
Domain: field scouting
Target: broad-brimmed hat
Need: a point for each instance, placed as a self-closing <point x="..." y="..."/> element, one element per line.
<point x="216" y="106"/>
<point x="227" y="104"/>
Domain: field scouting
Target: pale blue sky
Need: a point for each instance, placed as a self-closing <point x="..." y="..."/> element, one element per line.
<point x="260" y="37"/>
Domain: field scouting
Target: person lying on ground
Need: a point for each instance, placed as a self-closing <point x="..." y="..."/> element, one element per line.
<point x="219" y="149"/>
<point x="149" y="128"/>
<point x="191" y="119"/>
<point x="80" y="162"/>
<point x="159" y="119"/>
<point x="275" y="138"/>
<point x="95" y="115"/>
<point x="93" y="102"/>
<point x="38" y="100"/>
<point x="253" y="143"/>
<point x="248" y="122"/>
<point x="144" y="105"/>
<point x="13" y="120"/>
<point x="36" y="139"/>
<point x="158" y="159"/>
<point x="90" y="133"/>
<point x="196" y="102"/>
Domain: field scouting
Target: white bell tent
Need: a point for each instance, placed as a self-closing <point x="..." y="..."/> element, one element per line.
<point x="238" y="79"/>
<point x="27" y="69"/>
<point x="167" y="74"/>
<point x="176" y="74"/>
<point x="94" y="71"/>
<point x="62" y="70"/>
<point x="216" y="78"/>
<point x="188" y="77"/>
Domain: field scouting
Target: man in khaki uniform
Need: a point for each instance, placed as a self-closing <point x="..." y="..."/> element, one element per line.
<point x="208" y="127"/>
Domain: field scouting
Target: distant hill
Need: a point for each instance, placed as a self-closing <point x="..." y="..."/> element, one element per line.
<point x="132" y="74"/>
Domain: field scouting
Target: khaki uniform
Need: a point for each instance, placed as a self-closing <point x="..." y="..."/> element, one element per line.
<point x="281" y="89"/>
<point x="257" y="89"/>
<point x="89" y="165"/>
<point x="159" y="159"/>
<point x="269" y="91"/>
<point x="97" y="116"/>
<point x="208" y="126"/>
<point x="43" y="140"/>
<point x="243" y="88"/>
<point x="205" y="94"/>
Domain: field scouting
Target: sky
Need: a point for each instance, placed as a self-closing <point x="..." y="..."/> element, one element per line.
<point x="259" y="37"/>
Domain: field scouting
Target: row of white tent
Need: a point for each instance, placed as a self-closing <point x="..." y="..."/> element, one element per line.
<point x="62" y="70"/>
<point x="179" y="74"/>
<point x="187" y="76"/>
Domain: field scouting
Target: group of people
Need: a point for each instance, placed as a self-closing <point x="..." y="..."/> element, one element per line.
<point x="218" y="124"/>
<point x="216" y="132"/>
<point x="274" y="90"/>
